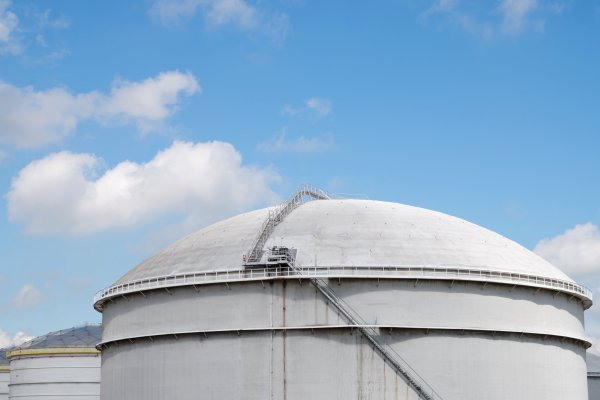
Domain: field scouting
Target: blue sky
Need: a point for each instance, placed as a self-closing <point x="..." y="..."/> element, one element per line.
<point x="125" y="125"/>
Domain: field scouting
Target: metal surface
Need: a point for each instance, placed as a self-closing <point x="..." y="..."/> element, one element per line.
<point x="4" y="375"/>
<point x="593" y="376"/>
<point x="81" y="336"/>
<point x="389" y="272"/>
<point x="384" y="304"/>
<point x="228" y="326"/>
<point x="58" y="365"/>
<point x="55" y="377"/>
<point x="350" y="233"/>
<point x="277" y="215"/>
<point x="400" y="366"/>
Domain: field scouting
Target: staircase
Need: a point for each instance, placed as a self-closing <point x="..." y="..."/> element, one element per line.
<point x="415" y="381"/>
<point x="304" y="193"/>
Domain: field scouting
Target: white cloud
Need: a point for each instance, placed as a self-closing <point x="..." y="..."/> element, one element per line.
<point x="317" y="106"/>
<point x="238" y="13"/>
<point x="576" y="251"/>
<point x="488" y="18"/>
<point x="8" y="23"/>
<point x="301" y="144"/>
<point x="515" y="13"/>
<point x="27" y="297"/>
<point x="30" y="118"/>
<point x="68" y="192"/>
<point x="153" y="99"/>
<point x="322" y="107"/>
<point x="18" y="338"/>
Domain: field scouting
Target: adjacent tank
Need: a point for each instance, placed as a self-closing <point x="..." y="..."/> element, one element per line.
<point x="377" y="300"/>
<point x="4" y="375"/>
<point x="60" y="365"/>
<point x="593" y="368"/>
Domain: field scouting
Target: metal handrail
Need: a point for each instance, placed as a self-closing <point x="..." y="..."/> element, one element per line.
<point x="375" y="272"/>
<point x="275" y="216"/>
<point x="416" y="381"/>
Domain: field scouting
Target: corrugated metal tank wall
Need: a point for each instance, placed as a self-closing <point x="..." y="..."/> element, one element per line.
<point x="55" y="376"/>
<point x="593" y="367"/>
<point x="594" y="387"/>
<point x="4" y="375"/>
<point x="468" y="341"/>
<point x="4" y="379"/>
<point x="63" y="364"/>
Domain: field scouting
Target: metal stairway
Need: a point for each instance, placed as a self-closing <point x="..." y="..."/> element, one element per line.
<point x="416" y="382"/>
<point x="255" y="255"/>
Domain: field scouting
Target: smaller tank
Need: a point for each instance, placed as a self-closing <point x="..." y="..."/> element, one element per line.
<point x="4" y="375"/>
<point x="59" y="365"/>
<point x="593" y="367"/>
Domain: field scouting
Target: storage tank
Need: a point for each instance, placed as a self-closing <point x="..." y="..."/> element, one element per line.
<point x="344" y="299"/>
<point x="59" y="365"/>
<point x="4" y="375"/>
<point x="593" y="368"/>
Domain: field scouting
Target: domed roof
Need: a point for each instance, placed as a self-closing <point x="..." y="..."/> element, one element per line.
<point x="82" y="336"/>
<point x="361" y="233"/>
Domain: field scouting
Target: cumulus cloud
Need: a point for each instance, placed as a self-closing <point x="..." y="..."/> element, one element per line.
<point x="71" y="193"/>
<point x="30" y="118"/>
<point x="317" y="106"/>
<point x="576" y="251"/>
<point x="27" y="297"/>
<point x="7" y="341"/>
<point x="238" y="13"/>
<point x="301" y="144"/>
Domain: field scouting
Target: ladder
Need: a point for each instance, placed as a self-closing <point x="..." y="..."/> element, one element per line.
<point x="423" y="389"/>
<point x="304" y="193"/>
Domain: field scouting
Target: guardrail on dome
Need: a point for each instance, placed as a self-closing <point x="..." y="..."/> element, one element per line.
<point x="369" y="272"/>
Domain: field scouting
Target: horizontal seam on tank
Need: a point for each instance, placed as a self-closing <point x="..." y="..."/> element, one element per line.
<point x="106" y="295"/>
<point x="337" y="327"/>
<point x="54" y="382"/>
<point x="51" y="351"/>
<point x="92" y="396"/>
<point x="52" y="367"/>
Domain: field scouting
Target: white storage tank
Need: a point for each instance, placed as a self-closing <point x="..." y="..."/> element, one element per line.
<point x="4" y="375"/>
<point x="593" y="366"/>
<point x="344" y="299"/>
<point x="59" y="365"/>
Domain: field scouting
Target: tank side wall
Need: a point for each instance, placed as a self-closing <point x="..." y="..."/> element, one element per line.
<point x="387" y="303"/>
<point x="253" y="366"/>
<point x="4" y="380"/>
<point x="593" y="388"/>
<point x="338" y="364"/>
<point x="494" y="367"/>
<point x="58" y="376"/>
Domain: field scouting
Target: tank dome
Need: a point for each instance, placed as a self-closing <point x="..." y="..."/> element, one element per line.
<point x="362" y="233"/>
<point x="82" y="336"/>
